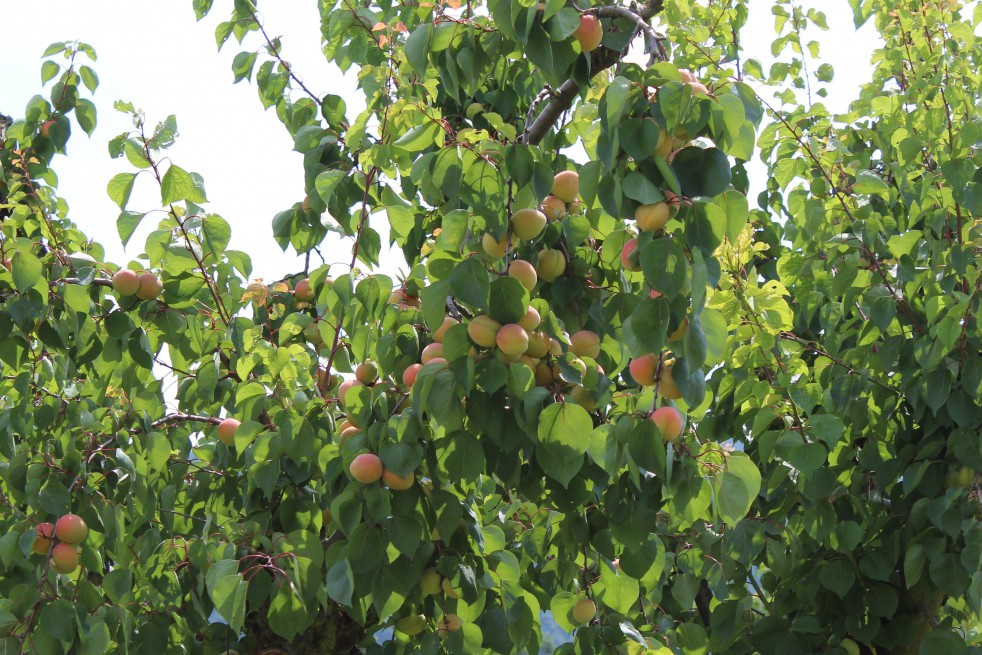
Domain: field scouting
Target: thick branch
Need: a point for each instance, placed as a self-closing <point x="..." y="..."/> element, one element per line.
<point x="602" y="59"/>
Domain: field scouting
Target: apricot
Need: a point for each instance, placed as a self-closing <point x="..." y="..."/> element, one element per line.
<point x="531" y="319"/>
<point x="552" y="264"/>
<point x="652" y="217"/>
<point x="686" y="76"/>
<point x="227" y="429"/>
<point x="566" y="186"/>
<point x="483" y="330"/>
<point x="679" y="331"/>
<point x="449" y="623"/>
<point x="666" y="383"/>
<point x="538" y="345"/>
<point x="366" y="372"/>
<point x="669" y="422"/>
<point x="582" y="397"/>
<point x="495" y="247"/>
<point x="348" y="432"/>
<point x="584" y="611"/>
<point x="448" y="322"/>
<point x="643" y="369"/>
<point x="545" y="374"/>
<point x="411" y="625"/>
<point x="585" y="344"/>
<point x="528" y="223"/>
<point x="150" y="286"/>
<point x="698" y="89"/>
<point x="555" y="348"/>
<point x="524" y="272"/>
<point x="409" y="375"/>
<point x="448" y="589"/>
<point x="590" y="33"/>
<point x="398" y="482"/>
<point x="303" y="291"/>
<point x="347" y="386"/>
<point x="430" y="352"/>
<point x="64" y="557"/>
<point x="429" y="582"/>
<point x="629" y="247"/>
<point x="126" y="282"/>
<point x="42" y="542"/>
<point x="512" y="340"/>
<point x="366" y="468"/>
<point x="554" y="208"/>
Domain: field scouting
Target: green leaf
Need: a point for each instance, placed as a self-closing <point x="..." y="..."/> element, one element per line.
<point x="702" y="171"/>
<point x="227" y="591"/>
<point x="288" y="615"/>
<point x="564" y="436"/>
<point x="418" y="47"/>
<point x="26" y="270"/>
<point x="120" y="188"/>
<point x="469" y="283"/>
<point x="739" y="485"/>
<point x="179" y="185"/>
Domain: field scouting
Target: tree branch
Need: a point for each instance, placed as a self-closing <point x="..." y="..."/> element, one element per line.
<point x="601" y="60"/>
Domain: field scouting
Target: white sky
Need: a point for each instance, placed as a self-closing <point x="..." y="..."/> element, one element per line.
<point x="156" y="56"/>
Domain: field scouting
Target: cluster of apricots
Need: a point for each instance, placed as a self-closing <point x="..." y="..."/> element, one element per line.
<point x="60" y="541"/>
<point x="145" y="285"/>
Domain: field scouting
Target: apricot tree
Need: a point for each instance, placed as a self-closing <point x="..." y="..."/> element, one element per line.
<point x="608" y="391"/>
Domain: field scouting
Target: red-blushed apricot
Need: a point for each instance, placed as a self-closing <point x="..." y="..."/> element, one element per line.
<point x="366" y="372"/>
<point x="666" y="382"/>
<point x="449" y="623"/>
<point x="524" y="272"/>
<point x="429" y="582"/>
<point x="512" y="340"/>
<point x="530" y="362"/>
<point x="431" y="351"/>
<point x="584" y="611"/>
<point x="669" y="421"/>
<point x="126" y="282"/>
<point x="303" y="291"/>
<point x="398" y="482"/>
<point x="589" y="33"/>
<point x="64" y="557"/>
<point x="483" y="330"/>
<point x="538" y="345"/>
<point x="653" y="217"/>
<point x="585" y="344"/>
<point x="348" y="433"/>
<point x="554" y="208"/>
<point x="409" y="375"/>
<point x="566" y="186"/>
<point x="673" y="202"/>
<point x="366" y="468"/>
<point x="347" y="386"/>
<point x="698" y="89"/>
<point x="46" y="127"/>
<point x="531" y="319"/>
<point x="227" y="429"/>
<point x="643" y="369"/>
<point x="552" y="264"/>
<point x="448" y="322"/>
<point x="495" y="247"/>
<point x="655" y="293"/>
<point x="436" y="361"/>
<point x="42" y="542"/>
<point x="150" y="286"/>
<point x="629" y="247"/>
<point x="528" y="223"/>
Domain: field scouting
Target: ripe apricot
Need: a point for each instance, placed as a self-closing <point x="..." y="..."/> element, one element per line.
<point x="643" y="369"/>
<point x="303" y="291"/>
<point x="531" y="319"/>
<point x="629" y="247"/>
<point x="590" y="33"/>
<point x="64" y="557"/>
<point x="150" y="286"/>
<point x="528" y="223"/>
<point x="496" y="247"/>
<point x="524" y="272"/>
<point x="366" y="468"/>
<point x="669" y="422"/>
<point x="652" y="217"/>
<point x="585" y="344"/>
<point x="430" y="352"/>
<point x="227" y="429"/>
<point x="398" y="482"/>
<point x="409" y="375"/>
<point x="554" y="208"/>
<point x="566" y="186"/>
<point x="483" y="330"/>
<point x="512" y="340"/>
<point x="126" y="282"/>
<point x="448" y="322"/>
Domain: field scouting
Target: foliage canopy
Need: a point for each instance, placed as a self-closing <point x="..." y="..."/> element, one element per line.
<point x="820" y="344"/>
